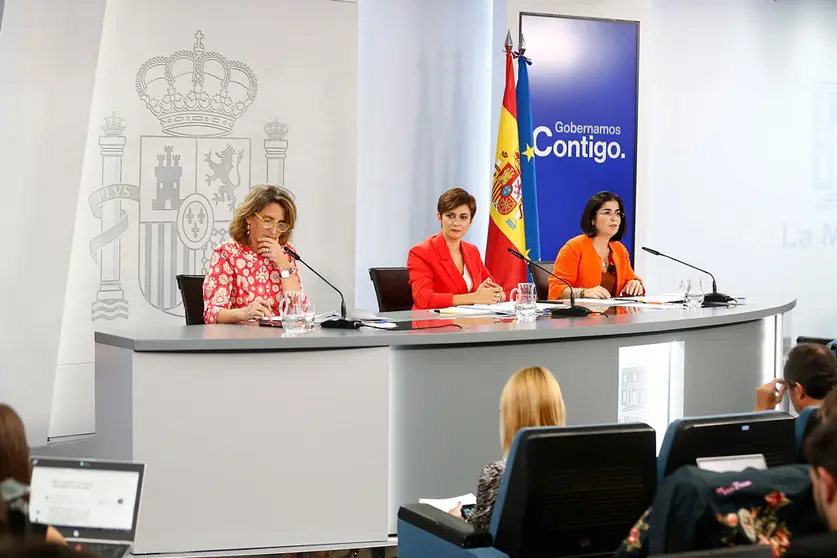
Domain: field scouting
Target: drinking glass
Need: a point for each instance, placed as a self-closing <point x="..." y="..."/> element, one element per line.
<point x="310" y="314"/>
<point x="293" y="316"/>
<point x="525" y="298"/>
<point x="692" y="291"/>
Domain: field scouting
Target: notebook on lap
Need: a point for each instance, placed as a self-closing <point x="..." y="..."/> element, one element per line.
<point x="93" y="504"/>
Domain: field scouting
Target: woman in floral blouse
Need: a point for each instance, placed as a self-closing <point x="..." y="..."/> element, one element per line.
<point x="249" y="273"/>
<point x="532" y="397"/>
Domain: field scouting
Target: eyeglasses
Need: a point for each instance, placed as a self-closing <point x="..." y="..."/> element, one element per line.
<point x="608" y="213"/>
<point x="269" y="223"/>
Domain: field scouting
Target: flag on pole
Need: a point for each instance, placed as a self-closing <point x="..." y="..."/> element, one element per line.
<point x="506" y="227"/>
<point x="527" y="152"/>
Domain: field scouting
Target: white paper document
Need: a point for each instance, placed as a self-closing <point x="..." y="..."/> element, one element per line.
<point x="468" y="311"/>
<point x="666" y="298"/>
<point x="447" y="504"/>
<point x="379" y="324"/>
<point x="502" y="308"/>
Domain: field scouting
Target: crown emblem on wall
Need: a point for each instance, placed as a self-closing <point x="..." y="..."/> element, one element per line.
<point x="276" y="130"/>
<point x="196" y="93"/>
<point x="113" y="125"/>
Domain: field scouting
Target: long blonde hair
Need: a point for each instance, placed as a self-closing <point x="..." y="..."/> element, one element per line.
<point x="256" y="200"/>
<point x="532" y="397"/>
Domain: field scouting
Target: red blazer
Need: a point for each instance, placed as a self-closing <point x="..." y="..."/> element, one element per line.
<point x="434" y="277"/>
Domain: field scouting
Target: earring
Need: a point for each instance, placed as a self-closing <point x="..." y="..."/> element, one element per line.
<point x="248" y="228"/>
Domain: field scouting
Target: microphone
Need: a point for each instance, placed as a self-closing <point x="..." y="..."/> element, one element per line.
<point x="711" y="299"/>
<point x="335" y="323"/>
<point x="573" y="311"/>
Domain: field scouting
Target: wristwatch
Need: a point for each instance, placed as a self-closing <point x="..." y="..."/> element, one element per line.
<point x="285" y="273"/>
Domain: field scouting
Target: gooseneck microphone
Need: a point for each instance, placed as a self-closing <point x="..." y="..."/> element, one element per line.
<point x="709" y="299"/>
<point x="334" y="323"/>
<point x="573" y="311"/>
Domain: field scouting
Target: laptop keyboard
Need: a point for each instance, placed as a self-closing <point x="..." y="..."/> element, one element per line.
<point x="104" y="550"/>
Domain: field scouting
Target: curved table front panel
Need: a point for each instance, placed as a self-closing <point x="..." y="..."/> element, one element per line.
<point x="317" y="439"/>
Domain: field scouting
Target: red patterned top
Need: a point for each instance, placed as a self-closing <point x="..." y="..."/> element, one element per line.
<point x="236" y="276"/>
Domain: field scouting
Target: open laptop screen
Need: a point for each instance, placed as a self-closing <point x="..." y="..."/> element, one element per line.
<point x="87" y="496"/>
<point x="732" y="463"/>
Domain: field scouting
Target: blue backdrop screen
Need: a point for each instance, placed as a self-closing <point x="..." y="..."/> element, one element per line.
<point x="583" y="81"/>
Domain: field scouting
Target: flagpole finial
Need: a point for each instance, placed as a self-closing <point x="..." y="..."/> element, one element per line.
<point x="509" y="44"/>
<point x="521" y="44"/>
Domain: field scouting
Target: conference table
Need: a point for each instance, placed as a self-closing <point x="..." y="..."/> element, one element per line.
<point x="262" y="440"/>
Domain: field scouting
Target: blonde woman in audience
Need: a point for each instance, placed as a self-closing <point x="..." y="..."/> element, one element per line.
<point x="532" y="397"/>
<point x="14" y="462"/>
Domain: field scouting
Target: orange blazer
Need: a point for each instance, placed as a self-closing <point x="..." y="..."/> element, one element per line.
<point x="580" y="264"/>
<point x="434" y="277"/>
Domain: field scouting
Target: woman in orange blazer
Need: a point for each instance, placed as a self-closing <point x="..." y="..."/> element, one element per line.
<point x="595" y="263"/>
<point x="444" y="269"/>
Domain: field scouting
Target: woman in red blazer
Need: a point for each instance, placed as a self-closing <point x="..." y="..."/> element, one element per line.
<point x="595" y="263"/>
<point x="445" y="270"/>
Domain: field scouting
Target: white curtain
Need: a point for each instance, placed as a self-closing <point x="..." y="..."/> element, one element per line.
<point x="426" y="92"/>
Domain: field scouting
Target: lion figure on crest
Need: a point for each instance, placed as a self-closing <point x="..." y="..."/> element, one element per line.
<point x="225" y="169"/>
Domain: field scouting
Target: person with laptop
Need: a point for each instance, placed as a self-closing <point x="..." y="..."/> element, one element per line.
<point x="14" y="464"/>
<point x="809" y="375"/>
<point x="93" y="504"/>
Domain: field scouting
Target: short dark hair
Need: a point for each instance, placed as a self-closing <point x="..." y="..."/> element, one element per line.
<point x="455" y="197"/>
<point x="593" y="205"/>
<point x="814" y="366"/>
<point x="821" y="447"/>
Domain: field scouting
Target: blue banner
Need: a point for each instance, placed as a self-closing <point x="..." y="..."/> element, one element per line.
<point x="583" y="85"/>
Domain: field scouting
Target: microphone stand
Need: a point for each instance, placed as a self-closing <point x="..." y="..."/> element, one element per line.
<point x="573" y="311"/>
<point x="711" y="299"/>
<point x="335" y="323"/>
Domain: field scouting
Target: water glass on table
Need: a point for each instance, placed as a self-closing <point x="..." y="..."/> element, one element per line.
<point x="293" y="316"/>
<point x="525" y="299"/>
<point x="310" y="314"/>
<point x="692" y="291"/>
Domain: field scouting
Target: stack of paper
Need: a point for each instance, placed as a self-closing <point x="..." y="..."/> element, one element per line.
<point x="447" y="504"/>
<point x="503" y="308"/>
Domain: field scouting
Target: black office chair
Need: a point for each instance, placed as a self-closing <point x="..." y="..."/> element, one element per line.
<point x="815" y="340"/>
<point x="392" y="288"/>
<point x="769" y="433"/>
<point x="572" y="491"/>
<point x="828" y="342"/>
<point x="191" y="292"/>
<point x="541" y="278"/>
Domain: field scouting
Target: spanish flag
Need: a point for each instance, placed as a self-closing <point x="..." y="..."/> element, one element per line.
<point x="505" y="228"/>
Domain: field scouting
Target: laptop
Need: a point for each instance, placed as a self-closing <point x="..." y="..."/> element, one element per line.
<point x="93" y="504"/>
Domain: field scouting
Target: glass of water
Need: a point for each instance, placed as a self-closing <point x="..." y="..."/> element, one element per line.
<point x="310" y="313"/>
<point x="692" y="291"/>
<point x="525" y="301"/>
<point x="293" y="317"/>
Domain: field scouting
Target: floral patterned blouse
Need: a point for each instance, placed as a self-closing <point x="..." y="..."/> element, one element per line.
<point x="237" y="275"/>
<point x="695" y="509"/>
<point x="487" y="488"/>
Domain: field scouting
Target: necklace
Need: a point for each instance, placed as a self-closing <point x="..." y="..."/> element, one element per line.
<point x="605" y="259"/>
